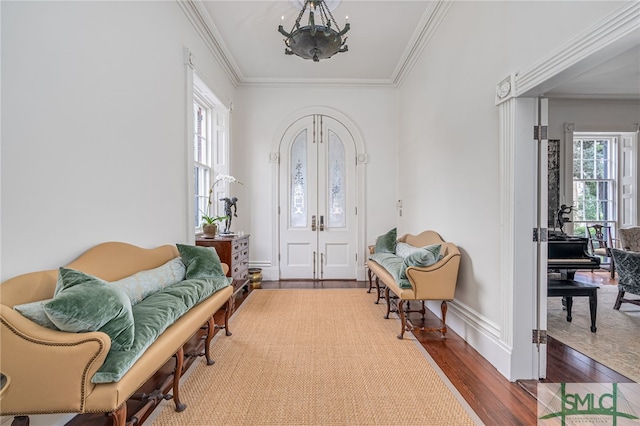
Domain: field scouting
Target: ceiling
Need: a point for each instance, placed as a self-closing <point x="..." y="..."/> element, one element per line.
<point x="617" y="78"/>
<point x="247" y="37"/>
<point x="251" y="41"/>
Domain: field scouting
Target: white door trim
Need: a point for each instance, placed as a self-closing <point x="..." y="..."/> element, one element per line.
<point x="361" y="160"/>
<point x="607" y="38"/>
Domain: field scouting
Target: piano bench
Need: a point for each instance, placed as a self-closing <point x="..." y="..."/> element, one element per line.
<point x="570" y="289"/>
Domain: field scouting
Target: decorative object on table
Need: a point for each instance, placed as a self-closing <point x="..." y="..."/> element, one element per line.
<point x="314" y="41"/>
<point x="209" y="219"/>
<point x="209" y="225"/>
<point x="563" y="217"/>
<point x="229" y="203"/>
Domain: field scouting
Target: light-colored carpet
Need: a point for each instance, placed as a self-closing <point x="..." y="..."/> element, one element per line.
<point x="316" y="357"/>
<point x="616" y="343"/>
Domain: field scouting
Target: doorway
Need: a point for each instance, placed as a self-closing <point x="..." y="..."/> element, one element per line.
<point x="318" y="200"/>
<point x="515" y="95"/>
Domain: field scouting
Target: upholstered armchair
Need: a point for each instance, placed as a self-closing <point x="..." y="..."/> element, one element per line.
<point x="628" y="268"/>
<point x="629" y="238"/>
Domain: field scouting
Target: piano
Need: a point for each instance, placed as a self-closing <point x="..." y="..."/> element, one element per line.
<point x="568" y="253"/>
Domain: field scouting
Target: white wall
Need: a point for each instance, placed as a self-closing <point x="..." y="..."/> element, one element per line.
<point x="449" y="146"/>
<point x="93" y="127"/>
<point x="260" y="114"/>
<point x="591" y="112"/>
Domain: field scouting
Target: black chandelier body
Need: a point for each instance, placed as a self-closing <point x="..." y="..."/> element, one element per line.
<point x="315" y="41"/>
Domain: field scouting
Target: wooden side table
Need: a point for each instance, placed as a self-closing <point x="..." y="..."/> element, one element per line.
<point x="234" y="251"/>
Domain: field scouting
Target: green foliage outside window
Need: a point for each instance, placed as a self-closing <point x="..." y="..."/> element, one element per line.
<point x="593" y="190"/>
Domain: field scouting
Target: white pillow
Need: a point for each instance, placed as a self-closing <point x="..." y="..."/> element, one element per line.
<point x="144" y="283"/>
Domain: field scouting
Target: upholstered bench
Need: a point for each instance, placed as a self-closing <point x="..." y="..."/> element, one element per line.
<point x="415" y="268"/>
<point x="84" y="338"/>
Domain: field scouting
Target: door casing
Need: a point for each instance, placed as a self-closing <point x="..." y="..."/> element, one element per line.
<point x="271" y="271"/>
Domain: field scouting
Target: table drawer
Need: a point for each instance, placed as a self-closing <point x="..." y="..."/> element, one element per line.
<point x="240" y="245"/>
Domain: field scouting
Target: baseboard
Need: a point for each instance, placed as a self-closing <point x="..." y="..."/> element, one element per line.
<point x="272" y="273"/>
<point x="478" y="331"/>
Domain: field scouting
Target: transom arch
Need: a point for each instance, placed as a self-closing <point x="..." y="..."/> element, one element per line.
<point x="337" y="115"/>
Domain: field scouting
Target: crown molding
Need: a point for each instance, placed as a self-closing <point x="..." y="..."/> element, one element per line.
<point x="617" y="32"/>
<point x="201" y="21"/>
<point x="429" y="23"/>
<point x="325" y="83"/>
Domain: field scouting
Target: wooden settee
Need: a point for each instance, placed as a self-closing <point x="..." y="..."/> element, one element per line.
<point x="434" y="282"/>
<point x="51" y="370"/>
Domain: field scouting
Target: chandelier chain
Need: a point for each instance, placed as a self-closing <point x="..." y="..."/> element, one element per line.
<point x="333" y="20"/>
<point x="296" y="24"/>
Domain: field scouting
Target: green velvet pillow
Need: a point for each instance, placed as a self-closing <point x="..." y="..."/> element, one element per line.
<point x="35" y="312"/>
<point x="425" y="256"/>
<point x="201" y="262"/>
<point x="86" y="303"/>
<point x="387" y="243"/>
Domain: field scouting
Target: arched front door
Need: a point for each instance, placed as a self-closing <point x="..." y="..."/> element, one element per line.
<point x="318" y="227"/>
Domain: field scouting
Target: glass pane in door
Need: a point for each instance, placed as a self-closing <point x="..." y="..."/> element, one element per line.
<point x="336" y="174"/>
<point x="298" y="182"/>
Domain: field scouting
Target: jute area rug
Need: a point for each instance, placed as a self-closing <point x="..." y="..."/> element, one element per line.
<point x="316" y="357"/>
<point x="616" y="343"/>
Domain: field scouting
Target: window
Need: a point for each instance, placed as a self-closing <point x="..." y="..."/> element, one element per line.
<point x="210" y="151"/>
<point x="202" y="162"/>
<point x="594" y="182"/>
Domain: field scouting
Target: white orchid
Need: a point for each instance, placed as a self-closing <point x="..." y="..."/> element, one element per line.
<point x="225" y="178"/>
<point x="219" y="178"/>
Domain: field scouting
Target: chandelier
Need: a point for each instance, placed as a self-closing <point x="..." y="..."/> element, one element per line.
<point x="315" y="41"/>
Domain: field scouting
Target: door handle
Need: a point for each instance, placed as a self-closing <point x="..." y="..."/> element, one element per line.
<point x="313" y="222"/>
<point x="322" y="223"/>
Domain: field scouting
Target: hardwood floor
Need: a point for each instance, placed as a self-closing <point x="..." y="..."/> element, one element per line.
<point x="495" y="400"/>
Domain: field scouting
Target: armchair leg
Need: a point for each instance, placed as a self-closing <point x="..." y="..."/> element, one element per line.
<point x="616" y="306"/>
<point x="403" y="318"/>
<point x="228" y="307"/>
<point x="387" y="298"/>
<point x="443" y="308"/>
<point x="211" y="326"/>
<point x="612" y="269"/>
<point x="119" y="416"/>
<point x="180" y="406"/>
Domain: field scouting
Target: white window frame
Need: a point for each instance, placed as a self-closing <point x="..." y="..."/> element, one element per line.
<point x="218" y="152"/>
<point x="627" y="177"/>
<point x="613" y="179"/>
<point x="202" y="164"/>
